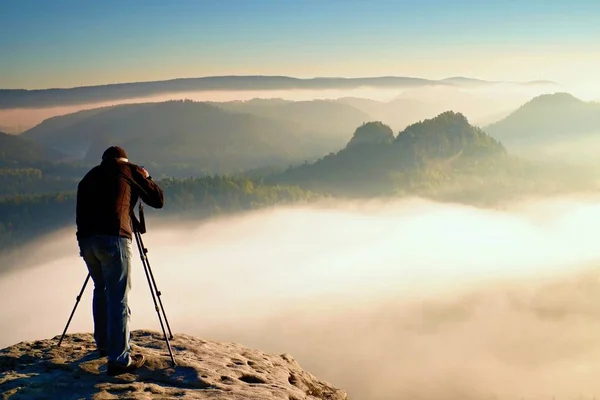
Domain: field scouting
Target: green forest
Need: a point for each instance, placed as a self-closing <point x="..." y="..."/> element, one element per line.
<point x="23" y="217"/>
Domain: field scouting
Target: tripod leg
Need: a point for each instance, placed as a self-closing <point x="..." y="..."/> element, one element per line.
<point x="146" y="269"/>
<point x="158" y="293"/>
<point x="139" y="227"/>
<point x="74" y="308"/>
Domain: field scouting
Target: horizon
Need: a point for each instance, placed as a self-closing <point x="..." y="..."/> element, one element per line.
<point x="554" y="40"/>
<point x="305" y="78"/>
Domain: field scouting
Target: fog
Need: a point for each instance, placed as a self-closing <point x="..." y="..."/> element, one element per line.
<point x="386" y="299"/>
<point x="575" y="148"/>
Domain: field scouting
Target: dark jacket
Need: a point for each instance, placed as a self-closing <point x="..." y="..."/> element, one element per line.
<point x="107" y="195"/>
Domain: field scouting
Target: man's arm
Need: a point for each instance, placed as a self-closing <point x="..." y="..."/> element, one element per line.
<point x="147" y="189"/>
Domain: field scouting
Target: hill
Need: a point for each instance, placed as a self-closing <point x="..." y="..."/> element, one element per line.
<point x="325" y="118"/>
<point x="371" y="133"/>
<point x="205" y="370"/>
<point x="554" y="124"/>
<point x="199" y="137"/>
<point x="373" y="157"/>
<point x="20" y="98"/>
<point x="397" y="113"/>
<point x="546" y="116"/>
<point x="16" y="151"/>
<point x="447" y="135"/>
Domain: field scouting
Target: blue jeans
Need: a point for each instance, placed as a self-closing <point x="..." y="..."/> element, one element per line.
<point x="108" y="260"/>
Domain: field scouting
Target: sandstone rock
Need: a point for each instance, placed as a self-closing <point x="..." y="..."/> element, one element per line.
<point x="205" y="370"/>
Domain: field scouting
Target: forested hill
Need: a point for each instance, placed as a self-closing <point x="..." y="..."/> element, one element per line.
<point x="19" y="151"/>
<point x="374" y="155"/>
<point x="195" y="137"/>
<point x="449" y="134"/>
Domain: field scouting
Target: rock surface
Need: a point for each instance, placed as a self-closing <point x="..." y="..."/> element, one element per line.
<point x="205" y="370"/>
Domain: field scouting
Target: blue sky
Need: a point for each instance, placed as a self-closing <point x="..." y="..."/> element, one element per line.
<point x="65" y="43"/>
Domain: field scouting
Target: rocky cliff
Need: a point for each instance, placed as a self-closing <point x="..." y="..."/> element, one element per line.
<point x="205" y="370"/>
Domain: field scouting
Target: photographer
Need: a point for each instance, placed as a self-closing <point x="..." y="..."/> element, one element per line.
<point x="106" y="197"/>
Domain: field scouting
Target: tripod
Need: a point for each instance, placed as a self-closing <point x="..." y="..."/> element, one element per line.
<point x="139" y="228"/>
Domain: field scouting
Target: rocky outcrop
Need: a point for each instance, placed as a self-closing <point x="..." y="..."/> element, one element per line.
<point x="205" y="370"/>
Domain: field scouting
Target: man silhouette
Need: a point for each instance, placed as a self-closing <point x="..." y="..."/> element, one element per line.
<point x="106" y="197"/>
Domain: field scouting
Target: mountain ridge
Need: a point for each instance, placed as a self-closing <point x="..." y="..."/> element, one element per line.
<point x="201" y="135"/>
<point x="31" y="98"/>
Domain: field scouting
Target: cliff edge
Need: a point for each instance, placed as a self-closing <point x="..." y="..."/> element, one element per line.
<point x="205" y="370"/>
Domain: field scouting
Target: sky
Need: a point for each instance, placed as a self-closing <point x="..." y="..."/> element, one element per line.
<point x="67" y="43"/>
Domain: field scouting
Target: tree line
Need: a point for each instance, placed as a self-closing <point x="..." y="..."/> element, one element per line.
<point x="26" y="216"/>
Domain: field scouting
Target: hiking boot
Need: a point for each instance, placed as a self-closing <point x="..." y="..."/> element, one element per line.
<point x="137" y="361"/>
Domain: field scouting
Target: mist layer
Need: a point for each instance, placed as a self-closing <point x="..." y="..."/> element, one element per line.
<point x="384" y="299"/>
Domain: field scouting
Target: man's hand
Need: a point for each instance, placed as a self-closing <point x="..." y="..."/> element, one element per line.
<point x="145" y="172"/>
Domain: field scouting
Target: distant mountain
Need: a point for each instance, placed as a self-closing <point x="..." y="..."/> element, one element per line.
<point x="474" y="103"/>
<point x="18" y="152"/>
<point x="20" y="98"/>
<point x="493" y="117"/>
<point x="548" y="115"/>
<point x="481" y="106"/>
<point x="197" y="136"/>
<point x="398" y="113"/>
<point x="461" y="80"/>
<point x="324" y="118"/>
<point x="540" y="82"/>
<point x="341" y="115"/>
<point x="551" y="124"/>
<point x="373" y="154"/>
